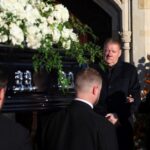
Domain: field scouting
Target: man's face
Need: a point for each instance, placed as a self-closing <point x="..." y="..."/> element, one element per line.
<point x="112" y="53"/>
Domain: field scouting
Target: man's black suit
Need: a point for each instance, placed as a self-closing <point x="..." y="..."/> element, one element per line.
<point x="79" y="128"/>
<point x="119" y="82"/>
<point x="12" y="135"/>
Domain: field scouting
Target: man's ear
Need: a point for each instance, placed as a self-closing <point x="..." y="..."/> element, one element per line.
<point x="120" y="52"/>
<point x="95" y="88"/>
<point x="2" y="95"/>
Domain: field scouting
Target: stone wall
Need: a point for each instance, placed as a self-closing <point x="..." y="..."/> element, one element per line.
<point x="141" y="36"/>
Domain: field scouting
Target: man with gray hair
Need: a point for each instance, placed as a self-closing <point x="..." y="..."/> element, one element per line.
<point x="120" y="96"/>
<point x="78" y="127"/>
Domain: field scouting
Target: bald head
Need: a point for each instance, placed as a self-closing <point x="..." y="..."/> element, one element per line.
<point x="86" y="78"/>
<point x="88" y="84"/>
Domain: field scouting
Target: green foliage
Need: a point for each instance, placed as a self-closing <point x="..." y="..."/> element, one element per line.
<point x="81" y="29"/>
<point x="50" y="58"/>
<point x="84" y="53"/>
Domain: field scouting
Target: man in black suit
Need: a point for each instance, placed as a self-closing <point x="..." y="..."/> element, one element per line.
<point x="12" y="135"/>
<point x="120" y="96"/>
<point x="78" y="127"/>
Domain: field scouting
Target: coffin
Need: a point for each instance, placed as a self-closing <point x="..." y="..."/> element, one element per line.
<point x="29" y="90"/>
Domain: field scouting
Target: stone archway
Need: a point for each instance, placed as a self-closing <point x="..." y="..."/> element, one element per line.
<point x="115" y="12"/>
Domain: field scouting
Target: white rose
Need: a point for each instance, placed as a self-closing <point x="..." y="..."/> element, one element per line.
<point x="34" y="37"/>
<point x="65" y="15"/>
<point x="33" y="30"/>
<point x="3" y="38"/>
<point x="7" y="4"/>
<point x="66" y="44"/>
<point x="16" y="34"/>
<point x="45" y="29"/>
<point x="33" y="41"/>
<point x="28" y="15"/>
<point x="50" y="20"/>
<point x="63" y="11"/>
<point x="36" y="13"/>
<point x="19" y="10"/>
<point x="23" y="2"/>
<point x="66" y="32"/>
<point x="16" y="9"/>
<point x="32" y="14"/>
<point x="55" y="35"/>
<point x="56" y="17"/>
<point x="74" y="37"/>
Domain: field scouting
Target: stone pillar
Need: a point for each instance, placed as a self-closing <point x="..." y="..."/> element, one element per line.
<point x="126" y="39"/>
<point x="126" y="29"/>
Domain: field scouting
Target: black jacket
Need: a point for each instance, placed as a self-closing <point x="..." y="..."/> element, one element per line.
<point x="13" y="136"/>
<point x="79" y="128"/>
<point x="118" y="83"/>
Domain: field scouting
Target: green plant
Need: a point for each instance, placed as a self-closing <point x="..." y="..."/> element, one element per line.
<point x="82" y="29"/>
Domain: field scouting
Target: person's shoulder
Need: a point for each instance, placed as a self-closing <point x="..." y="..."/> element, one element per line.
<point x="7" y="122"/>
<point x="12" y="126"/>
<point x="128" y="66"/>
<point x="17" y="137"/>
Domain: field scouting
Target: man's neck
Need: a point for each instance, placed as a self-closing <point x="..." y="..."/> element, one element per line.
<point x="84" y="101"/>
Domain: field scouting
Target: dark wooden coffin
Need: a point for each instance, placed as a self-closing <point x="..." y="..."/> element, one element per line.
<point x="29" y="90"/>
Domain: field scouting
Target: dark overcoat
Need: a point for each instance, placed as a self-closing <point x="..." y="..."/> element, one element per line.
<point x="78" y="128"/>
<point x="119" y="82"/>
<point x="13" y="136"/>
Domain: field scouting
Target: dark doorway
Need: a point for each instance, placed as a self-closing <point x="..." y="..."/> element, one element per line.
<point x="88" y="12"/>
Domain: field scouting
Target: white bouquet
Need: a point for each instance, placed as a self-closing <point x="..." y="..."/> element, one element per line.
<point x="46" y="28"/>
<point x="30" y="22"/>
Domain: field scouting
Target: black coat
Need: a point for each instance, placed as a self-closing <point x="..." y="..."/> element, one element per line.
<point x="13" y="136"/>
<point x="118" y="83"/>
<point x="79" y="128"/>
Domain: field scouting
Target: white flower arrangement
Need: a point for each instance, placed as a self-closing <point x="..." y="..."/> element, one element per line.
<point x="44" y="27"/>
<point x="31" y="21"/>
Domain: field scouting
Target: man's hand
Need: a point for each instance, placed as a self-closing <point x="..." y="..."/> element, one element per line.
<point x="113" y="118"/>
<point x="130" y="99"/>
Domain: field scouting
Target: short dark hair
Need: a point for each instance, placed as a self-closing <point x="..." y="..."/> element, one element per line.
<point x="86" y="78"/>
<point x="3" y="77"/>
<point x="113" y="41"/>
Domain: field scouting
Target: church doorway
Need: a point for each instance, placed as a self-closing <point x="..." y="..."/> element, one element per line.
<point x="103" y="17"/>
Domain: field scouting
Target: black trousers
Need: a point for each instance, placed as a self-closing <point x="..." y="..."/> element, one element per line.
<point x="125" y="136"/>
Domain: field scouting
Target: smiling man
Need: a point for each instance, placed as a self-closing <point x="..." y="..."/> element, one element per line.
<point x="120" y="96"/>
